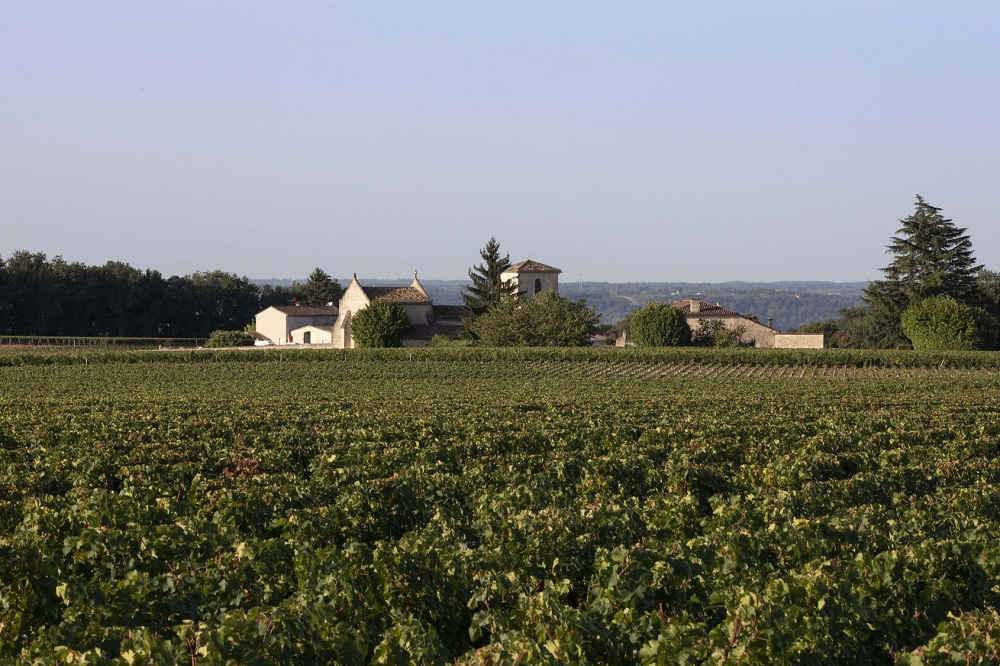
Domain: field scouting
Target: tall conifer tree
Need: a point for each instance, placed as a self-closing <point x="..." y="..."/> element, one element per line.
<point x="321" y="289"/>
<point x="488" y="288"/>
<point x="931" y="257"/>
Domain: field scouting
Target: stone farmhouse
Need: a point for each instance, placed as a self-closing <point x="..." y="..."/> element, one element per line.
<point x="698" y="312"/>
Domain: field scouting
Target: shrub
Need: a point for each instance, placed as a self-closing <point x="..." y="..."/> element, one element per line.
<point x="659" y="325"/>
<point x="550" y="320"/>
<point x="715" y="333"/>
<point x="380" y="324"/>
<point x="439" y="340"/>
<point x="942" y="323"/>
<point x="229" y="339"/>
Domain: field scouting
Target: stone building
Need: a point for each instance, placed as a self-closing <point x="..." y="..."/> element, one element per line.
<point x="413" y="299"/>
<point x="313" y="335"/>
<point x="332" y="325"/>
<point x="279" y="323"/>
<point x="531" y="277"/>
<point x="698" y="312"/>
<point x="426" y="319"/>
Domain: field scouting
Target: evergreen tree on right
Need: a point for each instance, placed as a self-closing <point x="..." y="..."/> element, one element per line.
<point x="931" y="257"/>
<point x="488" y="288"/>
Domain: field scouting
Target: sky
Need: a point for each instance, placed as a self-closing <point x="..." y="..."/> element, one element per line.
<point x="696" y="141"/>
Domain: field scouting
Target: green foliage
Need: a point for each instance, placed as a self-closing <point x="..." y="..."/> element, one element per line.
<point x="931" y="257"/>
<point x="715" y="333"/>
<point x="379" y="324"/>
<point x="229" y="339"/>
<point x="321" y="290"/>
<point x="487" y="288"/>
<point x="439" y="340"/>
<point x="940" y="322"/>
<point x="659" y="325"/>
<point x="989" y="285"/>
<point x="69" y="299"/>
<point x="656" y="506"/>
<point x="964" y="638"/>
<point x="549" y="320"/>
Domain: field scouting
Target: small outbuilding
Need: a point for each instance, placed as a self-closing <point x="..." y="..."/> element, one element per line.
<point x="278" y="322"/>
<point x="312" y="335"/>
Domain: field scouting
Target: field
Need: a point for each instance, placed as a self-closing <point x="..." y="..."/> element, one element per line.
<point x="479" y="507"/>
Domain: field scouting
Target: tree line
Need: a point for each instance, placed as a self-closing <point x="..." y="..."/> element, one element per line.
<point x="40" y="296"/>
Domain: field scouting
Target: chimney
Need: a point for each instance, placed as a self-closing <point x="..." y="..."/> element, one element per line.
<point x="695" y="306"/>
<point x="769" y="320"/>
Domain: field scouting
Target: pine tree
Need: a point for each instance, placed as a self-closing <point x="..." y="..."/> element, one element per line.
<point x="488" y="288"/>
<point x="321" y="289"/>
<point x="931" y="257"/>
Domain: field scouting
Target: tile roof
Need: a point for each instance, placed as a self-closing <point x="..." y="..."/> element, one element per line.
<point x="442" y="312"/>
<point x="453" y="331"/>
<point x="328" y="329"/>
<point x="396" y="294"/>
<point x="531" y="266"/>
<point x="706" y="309"/>
<point x="307" y="311"/>
<point x="419" y="332"/>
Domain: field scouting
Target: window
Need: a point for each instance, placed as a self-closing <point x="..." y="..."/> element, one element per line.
<point x="538" y="285"/>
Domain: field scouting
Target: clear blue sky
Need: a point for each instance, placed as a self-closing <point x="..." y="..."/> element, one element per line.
<point x="660" y="141"/>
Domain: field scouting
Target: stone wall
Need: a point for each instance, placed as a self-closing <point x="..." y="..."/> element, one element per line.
<point x="758" y="334"/>
<point x="799" y="341"/>
<point x="525" y="282"/>
<point x="271" y="324"/>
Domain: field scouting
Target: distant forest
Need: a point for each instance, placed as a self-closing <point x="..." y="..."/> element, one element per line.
<point x="41" y="296"/>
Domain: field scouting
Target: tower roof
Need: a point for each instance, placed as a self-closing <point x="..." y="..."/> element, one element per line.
<point x="531" y="266"/>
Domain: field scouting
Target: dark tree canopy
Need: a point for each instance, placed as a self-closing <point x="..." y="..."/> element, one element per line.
<point x="550" y="320"/>
<point x="54" y="297"/>
<point x="321" y="290"/>
<point x="989" y="284"/>
<point x="488" y="289"/>
<point x="379" y="324"/>
<point x="659" y="325"/>
<point x="931" y="257"/>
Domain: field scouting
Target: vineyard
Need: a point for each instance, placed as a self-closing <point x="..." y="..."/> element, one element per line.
<point x="486" y="507"/>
